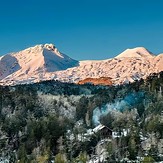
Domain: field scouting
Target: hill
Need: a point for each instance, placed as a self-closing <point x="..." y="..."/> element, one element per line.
<point x="51" y="120"/>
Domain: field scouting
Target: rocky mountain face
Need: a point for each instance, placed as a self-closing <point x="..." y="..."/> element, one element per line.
<point x="45" y="62"/>
<point x="97" y="81"/>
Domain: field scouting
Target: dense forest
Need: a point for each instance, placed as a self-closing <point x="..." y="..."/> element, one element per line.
<point x="51" y="122"/>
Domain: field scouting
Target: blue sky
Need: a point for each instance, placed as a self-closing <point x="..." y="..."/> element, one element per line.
<point x="82" y="29"/>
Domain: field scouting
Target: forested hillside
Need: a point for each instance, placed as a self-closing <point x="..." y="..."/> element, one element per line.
<point x="53" y="121"/>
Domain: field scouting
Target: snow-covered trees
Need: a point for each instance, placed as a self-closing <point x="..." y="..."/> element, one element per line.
<point x="53" y="121"/>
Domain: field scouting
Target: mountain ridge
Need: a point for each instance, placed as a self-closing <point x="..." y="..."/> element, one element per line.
<point x="46" y="62"/>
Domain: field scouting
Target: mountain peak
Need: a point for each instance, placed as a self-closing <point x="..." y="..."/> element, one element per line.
<point x="51" y="47"/>
<point x="44" y="47"/>
<point x="137" y="52"/>
<point x="34" y="62"/>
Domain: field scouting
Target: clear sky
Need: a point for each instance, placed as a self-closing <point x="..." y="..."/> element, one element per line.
<point x="82" y="29"/>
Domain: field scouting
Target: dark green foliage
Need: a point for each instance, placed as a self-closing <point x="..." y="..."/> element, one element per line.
<point x="32" y="126"/>
<point x="81" y="108"/>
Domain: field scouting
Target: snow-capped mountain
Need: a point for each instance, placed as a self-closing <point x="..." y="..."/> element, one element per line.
<point x="136" y="53"/>
<point x="33" y="63"/>
<point x="130" y="65"/>
<point x="45" y="62"/>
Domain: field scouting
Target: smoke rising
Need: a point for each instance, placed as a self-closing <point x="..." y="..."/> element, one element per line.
<point x="130" y="101"/>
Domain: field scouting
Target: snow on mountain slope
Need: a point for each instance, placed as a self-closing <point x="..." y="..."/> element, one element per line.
<point x="130" y="65"/>
<point x="58" y="61"/>
<point x="159" y="61"/>
<point x="119" y="69"/>
<point x="34" y="62"/>
<point x="45" y="62"/>
<point x="136" y="52"/>
<point x="43" y="57"/>
<point x="8" y="65"/>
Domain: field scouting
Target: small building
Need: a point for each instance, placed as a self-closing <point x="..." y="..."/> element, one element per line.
<point x="103" y="131"/>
